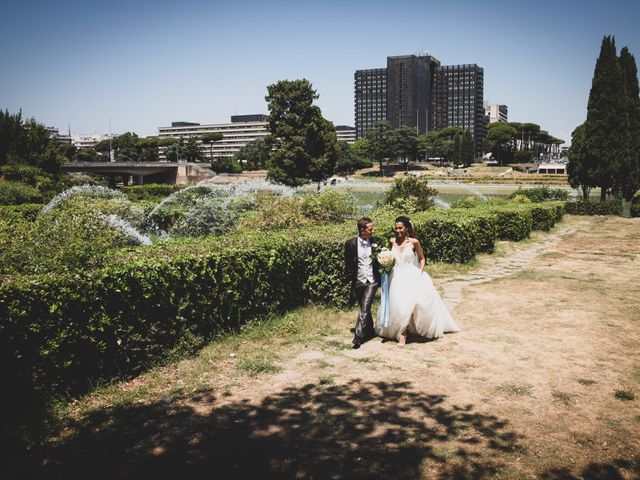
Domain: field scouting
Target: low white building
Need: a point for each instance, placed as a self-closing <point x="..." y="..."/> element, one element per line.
<point x="552" y="168"/>
<point x="242" y="130"/>
<point x="89" y="140"/>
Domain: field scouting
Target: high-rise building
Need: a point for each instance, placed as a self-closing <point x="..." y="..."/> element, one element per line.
<point x="409" y="82"/>
<point x="416" y="91"/>
<point x="458" y="100"/>
<point x="370" y="99"/>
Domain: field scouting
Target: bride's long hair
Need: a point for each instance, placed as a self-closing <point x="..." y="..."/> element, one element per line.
<point x="408" y="225"/>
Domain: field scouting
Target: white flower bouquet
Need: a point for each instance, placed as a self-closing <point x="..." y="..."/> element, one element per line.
<point x="385" y="259"/>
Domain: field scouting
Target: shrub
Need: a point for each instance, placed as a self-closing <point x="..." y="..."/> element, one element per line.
<point x="588" y="207"/>
<point x="411" y="194"/>
<point x="513" y="222"/>
<point x="16" y="193"/>
<point x="209" y="215"/>
<point x="541" y="194"/>
<point x="635" y="205"/>
<point x="520" y="199"/>
<point x="23" y="173"/>
<point x="274" y="213"/>
<point x="329" y="206"/>
<point x="26" y="211"/>
<point x="151" y="191"/>
<point x="543" y="217"/>
<point x="226" y="165"/>
<point x="471" y="201"/>
<point x="61" y="240"/>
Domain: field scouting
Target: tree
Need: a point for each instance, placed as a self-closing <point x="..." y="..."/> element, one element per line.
<point x="347" y="161"/>
<point x="11" y="135"/>
<point x="226" y="165"/>
<point x="456" y="153"/>
<point x="190" y="151"/>
<point x="148" y="148"/>
<point x="381" y="143"/>
<point x="305" y="144"/>
<point x="211" y="138"/>
<point x="405" y="140"/>
<point x="607" y="124"/>
<point x="254" y="155"/>
<point x="629" y="174"/>
<point x="577" y="171"/>
<point x="467" y="149"/>
<point x="499" y="139"/>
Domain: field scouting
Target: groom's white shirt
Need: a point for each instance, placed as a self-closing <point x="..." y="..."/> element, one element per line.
<point x="365" y="263"/>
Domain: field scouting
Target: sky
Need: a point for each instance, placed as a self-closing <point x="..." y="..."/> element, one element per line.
<point x="98" y="66"/>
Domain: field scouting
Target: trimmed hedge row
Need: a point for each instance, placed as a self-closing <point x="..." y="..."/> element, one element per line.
<point x="587" y="207"/>
<point x="62" y="333"/>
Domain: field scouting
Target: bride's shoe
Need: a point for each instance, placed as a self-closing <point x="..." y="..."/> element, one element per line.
<point x="402" y="340"/>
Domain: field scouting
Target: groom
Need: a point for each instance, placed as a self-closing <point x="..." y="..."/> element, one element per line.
<point x="363" y="273"/>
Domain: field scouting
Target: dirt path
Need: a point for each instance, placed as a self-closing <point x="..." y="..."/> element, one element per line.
<point x="533" y="386"/>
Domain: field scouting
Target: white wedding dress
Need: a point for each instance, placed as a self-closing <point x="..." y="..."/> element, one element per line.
<point x="415" y="307"/>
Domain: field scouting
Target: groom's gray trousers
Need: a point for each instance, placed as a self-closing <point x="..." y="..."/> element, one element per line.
<point x="364" y="325"/>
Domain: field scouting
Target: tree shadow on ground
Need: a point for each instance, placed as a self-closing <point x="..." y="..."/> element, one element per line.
<point x="356" y="430"/>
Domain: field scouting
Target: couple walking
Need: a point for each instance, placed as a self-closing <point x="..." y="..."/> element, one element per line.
<point x="410" y="304"/>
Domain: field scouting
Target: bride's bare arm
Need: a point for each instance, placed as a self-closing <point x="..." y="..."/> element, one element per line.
<point x="419" y="252"/>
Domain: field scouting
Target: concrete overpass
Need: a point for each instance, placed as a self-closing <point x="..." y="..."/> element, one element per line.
<point x="138" y="173"/>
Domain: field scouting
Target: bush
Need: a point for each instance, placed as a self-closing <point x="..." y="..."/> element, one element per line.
<point x="151" y="191"/>
<point x="635" y="205"/>
<point x="57" y="241"/>
<point x="26" y="211"/>
<point x="329" y="206"/>
<point x="16" y="193"/>
<point x="471" y="201"/>
<point x="587" y="207"/>
<point x="23" y="173"/>
<point x="410" y="194"/>
<point x="226" y="165"/>
<point x="274" y="213"/>
<point x="209" y="215"/>
<point x="168" y="214"/>
<point x="541" y="194"/>
<point x="543" y="217"/>
<point x="513" y="222"/>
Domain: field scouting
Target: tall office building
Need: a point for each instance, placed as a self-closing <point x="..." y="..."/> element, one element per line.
<point x="416" y="91"/>
<point x="409" y="82"/>
<point x="370" y="99"/>
<point x="458" y="100"/>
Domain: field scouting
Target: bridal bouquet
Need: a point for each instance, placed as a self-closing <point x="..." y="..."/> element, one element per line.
<point x="385" y="259"/>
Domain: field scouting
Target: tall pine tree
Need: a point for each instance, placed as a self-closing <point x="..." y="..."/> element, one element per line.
<point x="607" y="124"/>
<point x="629" y="175"/>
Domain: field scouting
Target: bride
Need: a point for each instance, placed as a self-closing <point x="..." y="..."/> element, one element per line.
<point x="414" y="306"/>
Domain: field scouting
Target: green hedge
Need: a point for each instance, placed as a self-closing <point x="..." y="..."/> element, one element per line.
<point x="61" y="333"/>
<point x="588" y="207"/>
<point x="151" y="191"/>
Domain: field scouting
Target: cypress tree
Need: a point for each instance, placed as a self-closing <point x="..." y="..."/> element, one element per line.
<point x="468" y="149"/>
<point x="607" y="124"/>
<point x="577" y="171"/>
<point x="629" y="178"/>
